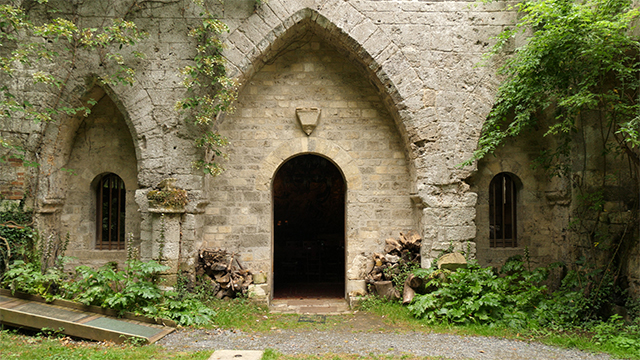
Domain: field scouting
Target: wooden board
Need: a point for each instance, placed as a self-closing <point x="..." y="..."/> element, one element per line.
<point x="36" y="314"/>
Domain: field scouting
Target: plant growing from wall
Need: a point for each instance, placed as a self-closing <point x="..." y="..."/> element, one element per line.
<point x="47" y="54"/>
<point x="168" y="198"/>
<point x="577" y="75"/>
<point x="210" y="92"/>
<point x="18" y="238"/>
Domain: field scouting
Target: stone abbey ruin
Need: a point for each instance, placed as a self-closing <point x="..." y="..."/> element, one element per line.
<point x="351" y="122"/>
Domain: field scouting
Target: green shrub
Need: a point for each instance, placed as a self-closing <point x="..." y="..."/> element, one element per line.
<point x="481" y="295"/>
<point x="135" y="289"/>
<point x="616" y="333"/>
<point x="28" y="277"/>
<point x="17" y="238"/>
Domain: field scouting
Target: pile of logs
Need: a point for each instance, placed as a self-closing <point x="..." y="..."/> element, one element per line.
<point x="223" y="272"/>
<point x="399" y="254"/>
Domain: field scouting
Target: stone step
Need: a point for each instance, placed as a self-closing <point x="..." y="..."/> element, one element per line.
<point x="310" y="306"/>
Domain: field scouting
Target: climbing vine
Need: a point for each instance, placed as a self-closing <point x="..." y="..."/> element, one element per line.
<point x="47" y="53"/>
<point x="578" y="77"/>
<point x="580" y="57"/>
<point x="210" y="92"/>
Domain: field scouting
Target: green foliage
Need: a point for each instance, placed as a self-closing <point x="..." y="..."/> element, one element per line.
<point x="515" y="297"/>
<point x="173" y="198"/>
<point x="210" y="91"/>
<point x="32" y="265"/>
<point x="617" y="334"/>
<point x="46" y="52"/>
<point x="46" y="45"/>
<point x="580" y="57"/>
<point x="135" y="289"/>
<point x="583" y="295"/>
<point x="28" y="277"/>
<point x="401" y="272"/>
<point x="481" y="295"/>
<point x="17" y="237"/>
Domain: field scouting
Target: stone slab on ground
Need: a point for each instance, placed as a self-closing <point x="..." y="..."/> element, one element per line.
<point x="310" y="306"/>
<point x="236" y="355"/>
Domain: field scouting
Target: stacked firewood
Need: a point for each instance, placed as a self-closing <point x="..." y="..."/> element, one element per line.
<point x="398" y="255"/>
<point x="223" y="272"/>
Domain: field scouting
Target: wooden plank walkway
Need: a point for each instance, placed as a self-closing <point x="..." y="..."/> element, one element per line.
<point x="73" y="319"/>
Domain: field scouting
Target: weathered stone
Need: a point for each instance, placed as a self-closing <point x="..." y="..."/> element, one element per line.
<point x="360" y="267"/>
<point x="452" y="261"/>
<point x="402" y="106"/>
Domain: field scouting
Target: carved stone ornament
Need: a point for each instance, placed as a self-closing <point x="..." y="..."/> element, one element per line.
<point x="308" y="118"/>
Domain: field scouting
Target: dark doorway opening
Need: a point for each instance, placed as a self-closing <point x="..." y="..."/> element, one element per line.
<point x="309" y="229"/>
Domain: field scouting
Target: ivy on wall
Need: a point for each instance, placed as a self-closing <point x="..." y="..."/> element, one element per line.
<point x="577" y="75"/>
<point x="210" y="92"/>
<point x="47" y="52"/>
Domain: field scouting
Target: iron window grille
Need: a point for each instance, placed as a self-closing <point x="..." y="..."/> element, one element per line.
<point x="502" y="212"/>
<point x="110" y="213"/>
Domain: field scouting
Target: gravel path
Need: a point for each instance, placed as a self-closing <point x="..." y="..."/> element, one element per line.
<point x="314" y="342"/>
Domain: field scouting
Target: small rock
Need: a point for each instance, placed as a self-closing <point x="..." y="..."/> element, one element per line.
<point x="452" y="261"/>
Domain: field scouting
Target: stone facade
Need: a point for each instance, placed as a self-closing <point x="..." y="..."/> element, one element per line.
<point x="402" y="103"/>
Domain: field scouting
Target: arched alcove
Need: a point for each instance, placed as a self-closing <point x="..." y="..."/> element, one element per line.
<point x="309" y="228"/>
<point x="102" y="145"/>
<point x="354" y="131"/>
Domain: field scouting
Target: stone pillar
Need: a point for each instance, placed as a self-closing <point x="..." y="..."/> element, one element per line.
<point x="448" y="219"/>
<point x="166" y="227"/>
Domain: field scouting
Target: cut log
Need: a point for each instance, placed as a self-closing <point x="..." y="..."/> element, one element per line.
<point x="414" y="281"/>
<point x="387" y="290"/>
<point x="407" y="294"/>
<point x="228" y="274"/>
<point x="392" y="246"/>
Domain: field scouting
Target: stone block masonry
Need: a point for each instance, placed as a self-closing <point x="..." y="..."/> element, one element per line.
<point x="402" y="103"/>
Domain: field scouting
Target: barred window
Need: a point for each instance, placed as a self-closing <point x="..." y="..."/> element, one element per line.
<point x="110" y="213"/>
<point x="502" y="212"/>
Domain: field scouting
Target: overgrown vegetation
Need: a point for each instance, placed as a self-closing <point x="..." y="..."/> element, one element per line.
<point x="516" y="297"/>
<point x="575" y="75"/>
<point x="17" y="236"/>
<point x="210" y="93"/>
<point x="38" y="269"/>
<point x="134" y="289"/>
<point x="580" y="56"/>
<point x="49" y="51"/>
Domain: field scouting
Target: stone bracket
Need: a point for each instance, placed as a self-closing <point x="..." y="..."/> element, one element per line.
<point x="308" y="119"/>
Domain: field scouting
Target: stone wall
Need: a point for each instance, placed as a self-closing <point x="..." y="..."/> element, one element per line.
<point x="402" y="104"/>
<point x="102" y="145"/>
<point x="543" y="205"/>
<point x="354" y="131"/>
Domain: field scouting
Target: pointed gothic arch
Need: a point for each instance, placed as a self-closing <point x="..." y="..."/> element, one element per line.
<point x="361" y="41"/>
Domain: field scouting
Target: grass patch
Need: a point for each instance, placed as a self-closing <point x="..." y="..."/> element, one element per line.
<point x="14" y="345"/>
<point x="270" y="354"/>
<point x="374" y="315"/>
<point x="243" y="314"/>
<point x="397" y="317"/>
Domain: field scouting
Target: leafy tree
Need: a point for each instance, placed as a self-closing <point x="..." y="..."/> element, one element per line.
<point x="580" y="56"/>
<point x="577" y="75"/>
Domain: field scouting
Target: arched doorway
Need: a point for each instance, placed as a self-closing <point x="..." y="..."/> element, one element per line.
<point x="309" y="229"/>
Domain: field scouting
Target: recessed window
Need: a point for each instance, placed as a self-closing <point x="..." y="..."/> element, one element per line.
<point x="502" y="211"/>
<point x="110" y="213"/>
